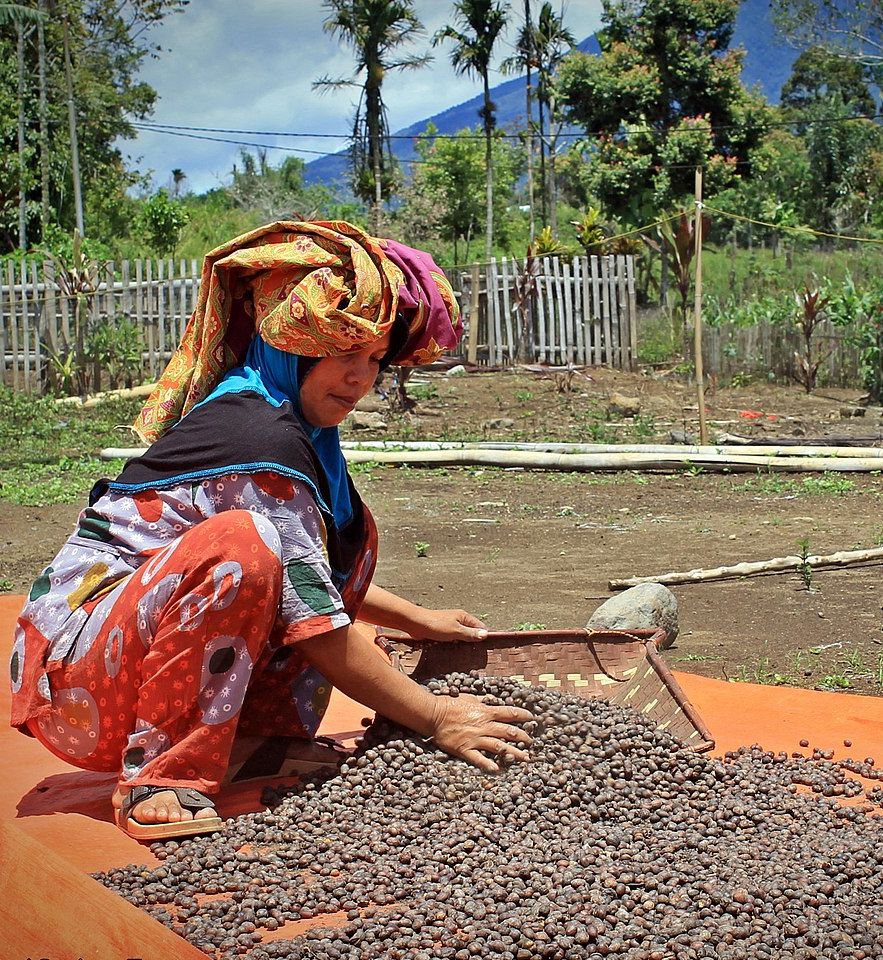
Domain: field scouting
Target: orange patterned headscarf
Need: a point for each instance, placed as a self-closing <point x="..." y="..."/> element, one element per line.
<point x="316" y="289"/>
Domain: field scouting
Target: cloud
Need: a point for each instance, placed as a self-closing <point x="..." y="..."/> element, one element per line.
<point x="235" y="66"/>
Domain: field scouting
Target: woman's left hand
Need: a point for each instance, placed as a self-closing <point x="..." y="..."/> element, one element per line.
<point x="451" y="626"/>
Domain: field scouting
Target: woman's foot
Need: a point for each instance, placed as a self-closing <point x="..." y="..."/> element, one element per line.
<point x="152" y="811"/>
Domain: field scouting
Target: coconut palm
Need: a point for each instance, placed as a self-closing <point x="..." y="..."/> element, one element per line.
<point x="551" y="44"/>
<point x="481" y="22"/>
<point x="374" y="29"/>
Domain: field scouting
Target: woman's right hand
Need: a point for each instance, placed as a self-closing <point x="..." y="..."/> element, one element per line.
<point x="478" y="732"/>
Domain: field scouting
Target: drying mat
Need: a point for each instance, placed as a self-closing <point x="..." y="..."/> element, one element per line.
<point x="622" y="666"/>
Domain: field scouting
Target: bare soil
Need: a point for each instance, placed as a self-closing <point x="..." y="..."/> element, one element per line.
<point x="539" y="548"/>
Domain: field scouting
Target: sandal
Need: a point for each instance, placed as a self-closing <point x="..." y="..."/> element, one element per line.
<point x="188" y="799"/>
<point x="288" y="757"/>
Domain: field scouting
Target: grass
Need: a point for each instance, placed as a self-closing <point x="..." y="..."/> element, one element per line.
<point x="828" y="484"/>
<point x="49" y="451"/>
<point x="64" y="481"/>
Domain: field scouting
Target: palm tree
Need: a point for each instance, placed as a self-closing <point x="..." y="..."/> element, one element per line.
<point x="374" y="29"/>
<point x="524" y="60"/>
<point x="481" y="21"/>
<point x="551" y="44"/>
<point x="178" y="177"/>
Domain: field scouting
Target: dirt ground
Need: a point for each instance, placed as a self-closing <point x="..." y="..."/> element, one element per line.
<point x="530" y="548"/>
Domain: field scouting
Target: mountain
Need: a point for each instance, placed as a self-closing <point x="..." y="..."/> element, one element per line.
<point x="767" y="66"/>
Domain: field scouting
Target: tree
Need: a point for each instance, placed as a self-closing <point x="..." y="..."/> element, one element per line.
<point x="374" y="29"/>
<point x="664" y="96"/>
<point x="543" y="47"/>
<point x="552" y="41"/>
<point x="446" y="197"/>
<point x="274" y="193"/>
<point x="853" y="31"/>
<point x="843" y="167"/>
<point x="817" y="75"/>
<point x="161" y="220"/>
<point x="108" y="40"/>
<point x="481" y="22"/>
<point x="20" y="16"/>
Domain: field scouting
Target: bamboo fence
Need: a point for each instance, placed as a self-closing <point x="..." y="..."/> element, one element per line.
<point x="555" y="311"/>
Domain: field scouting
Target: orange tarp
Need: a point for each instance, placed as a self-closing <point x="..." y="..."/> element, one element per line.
<point x="50" y="806"/>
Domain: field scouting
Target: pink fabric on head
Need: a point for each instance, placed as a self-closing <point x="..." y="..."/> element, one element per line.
<point x="427" y="301"/>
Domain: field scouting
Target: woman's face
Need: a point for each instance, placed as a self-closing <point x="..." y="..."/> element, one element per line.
<point x="335" y="385"/>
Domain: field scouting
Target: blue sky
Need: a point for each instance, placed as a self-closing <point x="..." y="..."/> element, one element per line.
<point x="250" y="65"/>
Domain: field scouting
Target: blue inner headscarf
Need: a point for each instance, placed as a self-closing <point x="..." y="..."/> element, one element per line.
<point x="278" y="376"/>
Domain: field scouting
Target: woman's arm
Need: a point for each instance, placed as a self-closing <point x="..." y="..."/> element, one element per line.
<point x="462" y="726"/>
<point x="388" y="610"/>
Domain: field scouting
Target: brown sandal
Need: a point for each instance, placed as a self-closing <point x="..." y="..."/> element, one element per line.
<point x="188" y="799"/>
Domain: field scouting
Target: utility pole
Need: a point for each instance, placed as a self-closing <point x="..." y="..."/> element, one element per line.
<point x="72" y="122"/>
<point x="697" y="312"/>
<point x="44" y="121"/>
<point x="528" y="32"/>
<point x="22" y="191"/>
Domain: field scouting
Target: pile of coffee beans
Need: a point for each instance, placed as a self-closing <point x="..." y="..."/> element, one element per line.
<point x="614" y="841"/>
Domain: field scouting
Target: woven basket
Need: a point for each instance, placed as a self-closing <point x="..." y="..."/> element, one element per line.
<point x="624" y="667"/>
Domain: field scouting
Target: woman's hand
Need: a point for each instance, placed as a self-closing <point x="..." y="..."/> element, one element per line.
<point x="452" y="626"/>
<point x="387" y="610"/>
<point x="480" y="733"/>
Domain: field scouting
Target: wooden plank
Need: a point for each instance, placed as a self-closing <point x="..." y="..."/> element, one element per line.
<point x="578" y="330"/>
<point x="26" y="327"/>
<point x="159" y="287"/>
<point x="474" y="307"/>
<point x="507" y="267"/>
<point x="597" y="331"/>
<point x="493" y="321"/>
<point x="609" y="346"/>
<point x="622" y="313"/>
<point x="13" y="305"/>
<point x="586" y="309"/>
<point x="540" y="312"/>
<point x="570" y="335"/>
<point x="39" y="322"/>
<point x="551" y="332"/>
<point x="561" y="331"/>
<point x="632" y="299"/>
<point x="5" y="331"/>
<point x="50" y="315"/>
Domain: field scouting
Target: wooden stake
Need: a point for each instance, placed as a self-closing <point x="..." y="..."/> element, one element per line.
<point x="697" y="315"/>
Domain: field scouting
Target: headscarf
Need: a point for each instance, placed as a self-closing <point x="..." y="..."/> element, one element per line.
<point x="278" y="376"/>
<point x="313" y="289"/>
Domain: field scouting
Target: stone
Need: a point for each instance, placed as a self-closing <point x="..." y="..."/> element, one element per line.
<point x="499" y="423"/>
<point x="847" y="412"/>
<point x="366" y="420"/>
<point x="622" y="406"/>
<point x="458" y="371"/>
<point x="648" y="606"/>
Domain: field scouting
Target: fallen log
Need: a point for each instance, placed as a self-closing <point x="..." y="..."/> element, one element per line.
<point x="749" y="567"/>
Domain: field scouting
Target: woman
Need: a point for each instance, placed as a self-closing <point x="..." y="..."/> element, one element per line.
<point x="205" y="602"/>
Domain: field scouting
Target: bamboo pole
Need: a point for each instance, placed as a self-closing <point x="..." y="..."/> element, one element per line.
<point x="472" y="348"/>
<point x="574" y="457"/>
<point x="823" y="454"/>
<point x="750" y="567"/>
<point x="697" y="313"/>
